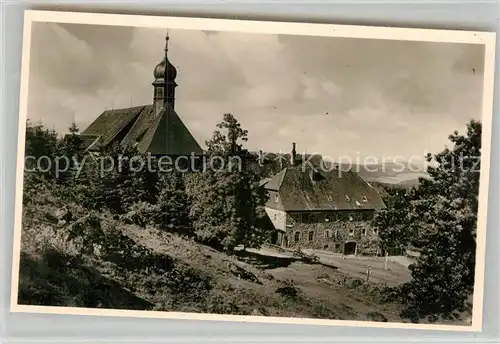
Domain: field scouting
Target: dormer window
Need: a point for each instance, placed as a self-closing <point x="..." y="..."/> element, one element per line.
<point x="315" y="176"/>
<point x="364" y="199"/>
<point x="276" y="198"/>
<point x="329" y="198"/>
<point x="347" y="198"/>
<point x="358" y="204"/>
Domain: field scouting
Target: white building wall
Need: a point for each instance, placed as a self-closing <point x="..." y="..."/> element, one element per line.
<point x="278" y="218"/>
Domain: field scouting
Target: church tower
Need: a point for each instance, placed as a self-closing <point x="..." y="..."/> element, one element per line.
<point x="164" y="84"/>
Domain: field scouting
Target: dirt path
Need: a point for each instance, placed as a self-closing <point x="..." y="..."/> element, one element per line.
<point x="396" y="273"/>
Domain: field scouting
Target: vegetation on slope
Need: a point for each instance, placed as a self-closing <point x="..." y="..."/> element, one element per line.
<point x="166" y="241"/>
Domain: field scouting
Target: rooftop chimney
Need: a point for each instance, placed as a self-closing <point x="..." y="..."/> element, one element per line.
<point x="293" y="156"/>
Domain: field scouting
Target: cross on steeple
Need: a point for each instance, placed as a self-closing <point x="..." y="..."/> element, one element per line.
<point x="166" y="43"/>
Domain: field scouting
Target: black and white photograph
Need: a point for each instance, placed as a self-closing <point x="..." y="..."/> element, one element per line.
<point x="218" y="170"/>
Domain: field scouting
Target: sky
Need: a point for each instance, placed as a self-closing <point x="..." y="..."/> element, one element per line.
<point x="338" y="97"/>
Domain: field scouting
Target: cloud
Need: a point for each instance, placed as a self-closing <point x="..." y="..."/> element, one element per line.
<point x="336" y="96"/>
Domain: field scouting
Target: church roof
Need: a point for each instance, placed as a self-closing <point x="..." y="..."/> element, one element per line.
<point x="164" y="134"/>
<point x="111" y="123"/>
<point x="303" y="188"/>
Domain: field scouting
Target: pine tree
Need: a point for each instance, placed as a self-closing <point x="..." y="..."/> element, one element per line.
<point x="440" y="218"/>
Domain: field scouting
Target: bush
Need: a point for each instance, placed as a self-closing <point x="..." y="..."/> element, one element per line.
<point x="142" y="214"/>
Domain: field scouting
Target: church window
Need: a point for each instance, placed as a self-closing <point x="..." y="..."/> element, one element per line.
<point x="159" y="92"/>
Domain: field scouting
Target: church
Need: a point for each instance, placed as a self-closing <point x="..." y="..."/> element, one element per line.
<point x="154" y="128"/>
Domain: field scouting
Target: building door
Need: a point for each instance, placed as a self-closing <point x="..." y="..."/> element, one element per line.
<point x="274" y="237"/>
<point x="350" y="248"/>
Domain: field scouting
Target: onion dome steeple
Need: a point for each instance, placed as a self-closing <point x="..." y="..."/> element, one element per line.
<point x="164" y="83"/>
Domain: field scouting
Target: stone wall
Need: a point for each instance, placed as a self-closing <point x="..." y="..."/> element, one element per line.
<point x="332" y="236"/>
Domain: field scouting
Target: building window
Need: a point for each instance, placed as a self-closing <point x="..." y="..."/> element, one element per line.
<point x="311" y="236"/>
<point x="347" y="198"/>
<point x="276" y="198"/>
<point x="159" y="92"/>
<point x="307" y="218"/>
<point x="363" y="231"/>
<point x="326" y="246"/>
<point x="336" y="233"/>
<point x="351" y="216"/>
<point x="329" y="198"/>
<point x="275" y="217"/>
<point x="339" y="216"/>
<point x="330" y="217"/>
<point x="375" y="230"/>
<point x="327" y="234"/>
<point x="297" y="236"/>
<point x="351" y="231"/>
<point x="364" y="199"/>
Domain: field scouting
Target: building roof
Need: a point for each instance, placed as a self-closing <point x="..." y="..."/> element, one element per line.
<point x="168" y="135"/>
<point x="89" y="142"/>
<point x="305" y="188"/>
<point x="111" y="123"/>
<point x="164" y="134"/>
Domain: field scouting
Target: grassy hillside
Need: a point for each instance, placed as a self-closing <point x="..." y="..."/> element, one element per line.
<point x="155" y="270"/>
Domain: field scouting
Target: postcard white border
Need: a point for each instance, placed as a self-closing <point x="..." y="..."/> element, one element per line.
<point x="327" y="30"/>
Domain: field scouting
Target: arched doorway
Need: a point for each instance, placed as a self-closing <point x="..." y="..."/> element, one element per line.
<point x="350" y="248"/>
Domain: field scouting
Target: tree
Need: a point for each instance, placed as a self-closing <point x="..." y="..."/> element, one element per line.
<point x="440" y="217"/>
<point x="393" y="223"/>
<point x="40" y="149"/>
<point x="71" y="152"/>
<point x="226" y="200"/>
<point x="173" y="203"/>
